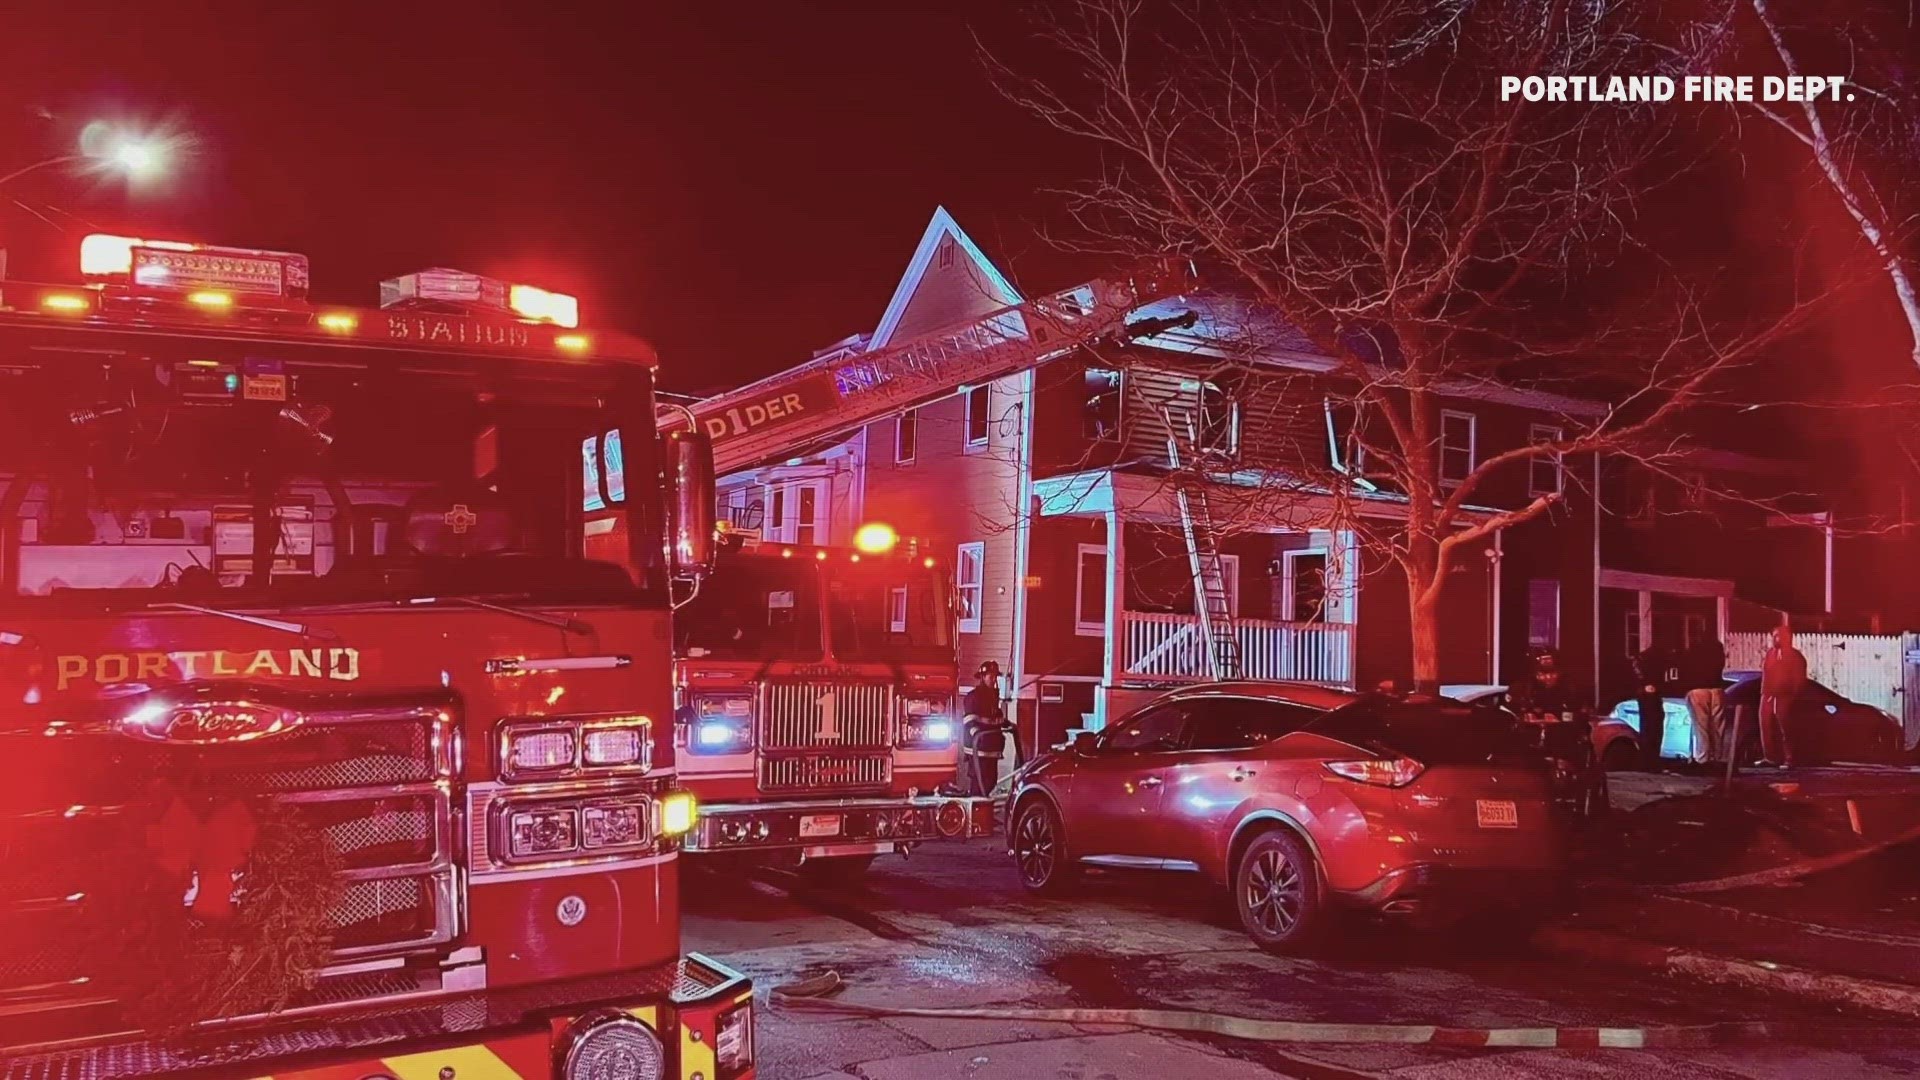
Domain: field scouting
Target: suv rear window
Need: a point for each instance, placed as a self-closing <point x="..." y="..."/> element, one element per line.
<point x="1431" y="732"/>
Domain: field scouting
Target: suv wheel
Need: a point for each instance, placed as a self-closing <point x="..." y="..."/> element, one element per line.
<point x="1277" y="893"/>
<point x="1038" y="851"/>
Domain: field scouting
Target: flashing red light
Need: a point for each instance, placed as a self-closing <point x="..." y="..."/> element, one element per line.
<point x="543" y="306"/>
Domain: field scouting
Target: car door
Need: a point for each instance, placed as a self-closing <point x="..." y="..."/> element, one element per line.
<point x="1221" y="768"/>
<point x="1118" y="787"/>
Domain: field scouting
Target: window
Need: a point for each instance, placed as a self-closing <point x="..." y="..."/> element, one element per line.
<point x="979" y="401"/>
<point x="1228" y="723"/>
<point x="794" y="512"/>
<point x="803" y="522"/>
<point x="1543" y="613"/>
<point x="1545" y="474"/>
<point x="1457" y="450"/>
<point x="969" y="584"/>
<point x="1345" y="451"/>
<point x="1101" y="416"/>
<point x="897" y="609"/>
<point x="906" y="434"/>
<point x="946" y="252"/>
<point x="1631" y="634"/>
<point x="1217" y="423"/>
<point x="1304" y="586"/>
<point x="1156" y="727"/>
<point x="1090" y="592"/>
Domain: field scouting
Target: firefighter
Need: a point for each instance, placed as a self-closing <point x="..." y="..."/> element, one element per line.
<point x="983" y="732"/>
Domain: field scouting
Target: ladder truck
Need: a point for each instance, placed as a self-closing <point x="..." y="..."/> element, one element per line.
<point x="815" y="687"/>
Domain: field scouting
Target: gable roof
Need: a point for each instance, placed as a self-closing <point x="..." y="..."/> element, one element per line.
<point x="989" y="287"/>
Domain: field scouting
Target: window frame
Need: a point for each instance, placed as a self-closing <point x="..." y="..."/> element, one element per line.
<point x="906" y="436"/>
<point x="968" y="444"/>
<point x="1231" y="451"/>
<point x="977" y="550"/>
<point x="1082" y="626"/>
<point x="1289" y="602"/>
<point x="1472" y="447"/>
<point x="1536" y="434"/>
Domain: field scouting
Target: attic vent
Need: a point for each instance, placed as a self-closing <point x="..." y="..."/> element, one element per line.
<point x="946" y="252"/>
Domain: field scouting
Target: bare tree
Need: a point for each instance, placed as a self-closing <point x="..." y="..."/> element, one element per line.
<point x="1350" y="169"/>
<point x="1866" y="151"/>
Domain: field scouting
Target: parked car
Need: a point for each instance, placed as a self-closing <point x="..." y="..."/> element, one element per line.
<point x="1825" y="726"/>
<point x="1299" y="799"/>
<point x="1616" y="744"/>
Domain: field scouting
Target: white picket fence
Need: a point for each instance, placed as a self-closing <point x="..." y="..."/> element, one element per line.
<point x="1171" y="648"/>
<point x="1869" y="668"/>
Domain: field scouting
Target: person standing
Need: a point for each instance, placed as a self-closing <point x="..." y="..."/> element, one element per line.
<point x="982" y="732"/>
<point x="1650" y="673"/>
<point x="1783" y="674"/>
<point x="1706" y="665"/>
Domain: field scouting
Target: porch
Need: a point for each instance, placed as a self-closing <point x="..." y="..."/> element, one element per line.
<point x="1157" y="647"/>
<point x="1292" y="588"/>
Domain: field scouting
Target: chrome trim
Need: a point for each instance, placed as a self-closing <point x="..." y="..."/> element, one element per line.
<point x="571" y="869"/>
<point x="1139" y="862"/>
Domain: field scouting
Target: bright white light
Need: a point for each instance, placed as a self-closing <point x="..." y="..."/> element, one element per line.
<point x="938" y="731"/>
<point x="717" y="733"/>
<point x="136" y="157"/>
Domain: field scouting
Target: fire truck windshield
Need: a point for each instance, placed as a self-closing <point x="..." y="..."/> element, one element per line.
<point x="201" y="481"/>
<point x="754" y="607"/>
<point x="890" y="610"/>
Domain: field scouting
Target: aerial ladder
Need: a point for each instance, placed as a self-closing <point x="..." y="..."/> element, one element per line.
<point x="831" y="397"/>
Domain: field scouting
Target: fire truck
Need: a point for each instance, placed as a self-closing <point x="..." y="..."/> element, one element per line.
<point x="386" y="591"/>
<point x="816" y="686"/>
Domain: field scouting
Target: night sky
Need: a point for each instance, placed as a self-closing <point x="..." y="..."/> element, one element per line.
<point x="741" y="182"/>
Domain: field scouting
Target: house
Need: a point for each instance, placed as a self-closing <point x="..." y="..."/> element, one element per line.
<point x="1072" y="534"/>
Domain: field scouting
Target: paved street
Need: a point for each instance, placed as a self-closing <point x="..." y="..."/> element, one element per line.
<point x="951" y="928"/>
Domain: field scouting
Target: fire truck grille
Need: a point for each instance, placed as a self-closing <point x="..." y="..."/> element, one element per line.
<point x="825" y="772"/>
<point x="372" y="777"/>
<point x="821" y="715"/>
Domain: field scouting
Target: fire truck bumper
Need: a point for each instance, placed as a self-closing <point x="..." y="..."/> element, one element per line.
<point x="695" y="1017"/>
<point x="828" y="827"/>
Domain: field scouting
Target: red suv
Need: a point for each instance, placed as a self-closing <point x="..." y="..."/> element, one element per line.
<point x="1299" y="797"/>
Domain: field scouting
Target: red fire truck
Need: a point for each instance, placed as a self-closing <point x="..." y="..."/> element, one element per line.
<point x="305" y="594"/>
<point x="816" y="687"/>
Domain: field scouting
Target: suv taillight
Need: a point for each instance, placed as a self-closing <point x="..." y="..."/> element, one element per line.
<point x="1380" y="772"/>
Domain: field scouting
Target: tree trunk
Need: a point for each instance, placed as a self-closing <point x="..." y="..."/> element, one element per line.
<point x="1423" y="612"/>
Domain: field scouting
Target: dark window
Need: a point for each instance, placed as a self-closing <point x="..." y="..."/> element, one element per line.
<point x="1217" y="425"/>
<point x="1458" y="450"/>
<point x="1543" y="613"/>
<point x="946" y="252"/>
<point x="1090" y="591"/>
<point x="1157" y="727"/>
<point x="906" y="434"/>
<point x="1102" y="418"/>
<point x="803" y="530"/>
<point x="1430" y="732"/>
<point x="1307" y="586"/>
<point x="979" y="400"/>
<point x="1544" y="472"/>
<point x="1239" y="723"/>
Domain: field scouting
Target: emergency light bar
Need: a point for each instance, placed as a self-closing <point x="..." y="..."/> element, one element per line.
<point x="439" y="285"/>
<point x="177" y="268"/>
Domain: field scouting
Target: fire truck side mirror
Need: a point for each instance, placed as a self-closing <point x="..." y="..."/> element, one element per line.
<point x="690" y="523"/>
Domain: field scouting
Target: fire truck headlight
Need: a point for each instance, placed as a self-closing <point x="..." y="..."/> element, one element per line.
<point x="542" y="831"/>
<point x="926" y="723"/>
<point x="616" y="744"/>
<point x="677" y="812"/>
<point x="535" y="750"/>
<point x="733" y="1041"/>
<point x="610" y="1044"/>
<point x="611" y="825"/>
<point x="723" y="723"/>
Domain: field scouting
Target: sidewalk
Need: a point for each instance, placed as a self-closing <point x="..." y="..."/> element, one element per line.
<point x="1789" y="882"/>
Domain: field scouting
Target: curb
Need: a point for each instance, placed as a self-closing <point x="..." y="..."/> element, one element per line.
<point x="808" y="996"/>
<point x="1825" y="987"/>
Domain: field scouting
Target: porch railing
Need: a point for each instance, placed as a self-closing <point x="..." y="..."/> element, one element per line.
<point x="1172" y="648"/>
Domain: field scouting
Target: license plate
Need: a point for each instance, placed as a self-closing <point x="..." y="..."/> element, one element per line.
<point x="1497" y="813"/>
<point x="829" y="824"/>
